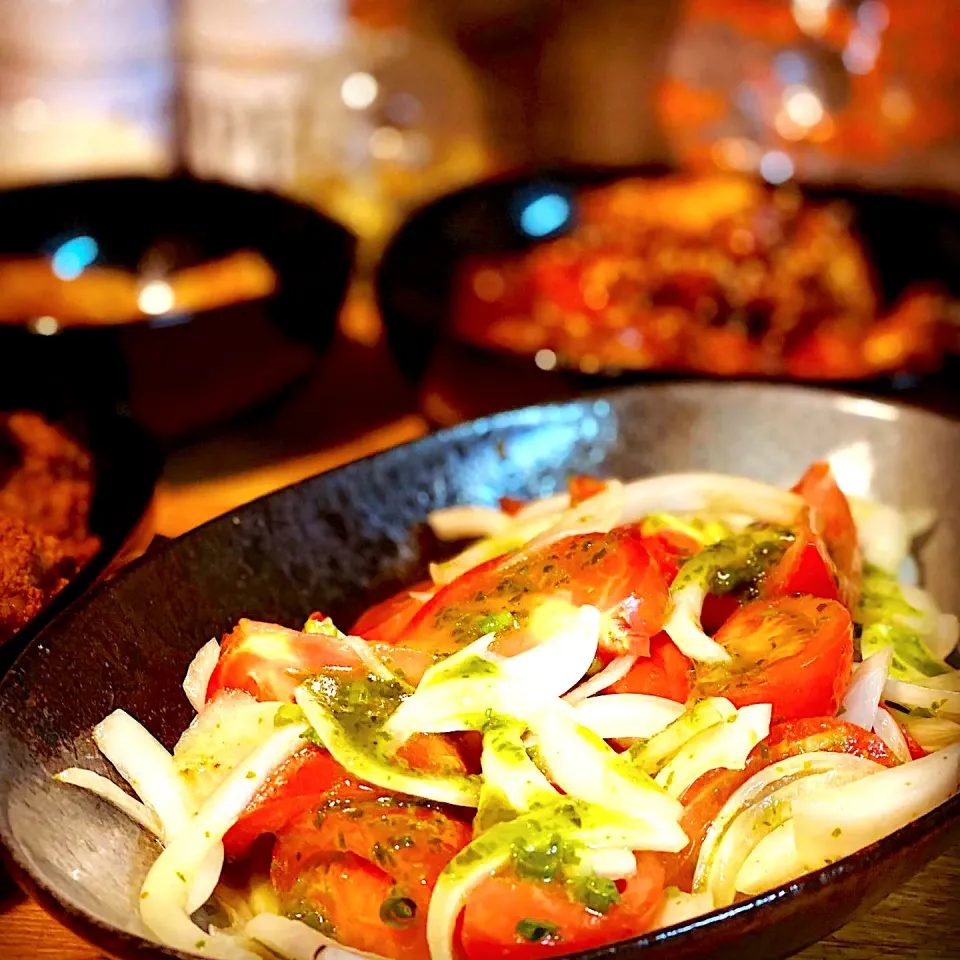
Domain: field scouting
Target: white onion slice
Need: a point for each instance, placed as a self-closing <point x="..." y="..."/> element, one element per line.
<point x="597" y="514"/>
<point x="685" y="629"/>
<point x="679" y="907"/>
<point x="457" y="523"/>
<point x="944" y="681"/>
<point x="883" y="533"/>
<point x="373" y="664"/>
<point x="939" y="701"/>
<point x="621" y="716"/>
<point x="888" y="730"/>
<point x="109" y="791"/>
<point x="863" y="696"/>
<point x="197" y="680"/>
<point x="294" y="940"/>
<point x="774" y="861"/>
<point x="147" y="766"/>
<point x="543" y="507"/>
<point x="944" y="639"/>
<point x="164" y="897"/>
<point x="612" y="864"/>
<point x="933" y="733"/>
<point x="507" y="767"/>
<point x="837" y="822"/>
<point x="614" y="671"/>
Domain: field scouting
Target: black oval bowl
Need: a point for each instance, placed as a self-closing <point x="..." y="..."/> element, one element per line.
<point x="176" y="369"/>
<point x="127" y="462"/>
<point x="342" y="539"/>
<point x="910" y="239"/>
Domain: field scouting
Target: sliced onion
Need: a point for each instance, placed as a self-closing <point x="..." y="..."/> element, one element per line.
<point x="373" y="664"/>
<point x="933" y="733"/>
<point x="621" y="716"/>
<point x="507" y="767"/>
<point x="294" y="940"/>
<point x="888" y="730"/>
<point x="197" y="680"/>
<point x="597" y="514"/>
<point x="774" y="861"/>
<point x="147" y="766"/>
<point x="110" y="792"/>
<point x="609" y="864"/>
<point x="165" y="896"/>
<point x="837" y="822"/>
<point x="657" y="752"/>
<point x="939" y="701"/>
<point x="883" y="533"/>
<point x="712" y="493"/>
<point x="458" y="523"/>
<point x="679" y="907"/>
<point x="752" y="812"/>
<point x="613" y="672"/>
<point x="945" y="681"/>
<point x="723" y="746"/>
<point x="944" y="639"/>
<point x="863" y="696"/>
<point x="570" y="636"/>
<point x="685" y="629"/>
<point x="543" y="507"/>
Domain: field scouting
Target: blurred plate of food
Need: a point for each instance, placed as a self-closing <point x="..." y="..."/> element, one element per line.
<point x="75" y="503"/>
<point x="159" y="291"/>
<point x="650" y="271"/>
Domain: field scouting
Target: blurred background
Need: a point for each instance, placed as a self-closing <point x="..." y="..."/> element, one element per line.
<point x="260" y="345"/>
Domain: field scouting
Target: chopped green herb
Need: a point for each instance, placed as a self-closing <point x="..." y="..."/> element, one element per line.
<point x="398" y="912"/>
<point x="536" y="931"/>
<point x="287" y="714"/>
<point x="595" y="893"/>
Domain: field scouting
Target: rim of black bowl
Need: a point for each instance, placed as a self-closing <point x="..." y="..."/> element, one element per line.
<point x="943" y="819"/>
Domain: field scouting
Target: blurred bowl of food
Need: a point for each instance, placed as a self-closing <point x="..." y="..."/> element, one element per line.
<point x="75" y="504"/>
<point x="547" y="282"/>
<point x="191" y="300"/>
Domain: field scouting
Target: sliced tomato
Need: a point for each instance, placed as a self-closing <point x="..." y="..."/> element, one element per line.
<point x="717" y="610"/>
<point x="666" y="672"/>
<point x="269" y="661"/>
<point x="505" y="915"/>
<point x="805" y="568"/>
<point x="670" y="549"/>
<point x="386" y="621"/>
<point x="795" y="653"/>
<point x="368" y="869"/>
<point x="614" y="572"/>
<point x="704" y="798"/>
<point x="583" y="488"/>
<point x="511" y="505"/>
<point x="833" y="520"/>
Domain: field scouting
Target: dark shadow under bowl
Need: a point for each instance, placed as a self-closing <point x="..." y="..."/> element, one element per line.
<point x="339" y="540"/>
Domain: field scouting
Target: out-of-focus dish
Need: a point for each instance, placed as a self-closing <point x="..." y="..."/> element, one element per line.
<point x="714" y="274"/>
<point x="46" y="491"/>
<point x="616" y="711"/>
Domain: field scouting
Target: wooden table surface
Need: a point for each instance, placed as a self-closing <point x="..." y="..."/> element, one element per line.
<point x="333" y="419"/>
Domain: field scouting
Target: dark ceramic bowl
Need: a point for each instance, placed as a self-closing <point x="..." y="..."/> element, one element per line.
<point x="414" y="283"/>
<point x="127" y="462"/>
<point x="178" y="370"/>
<point x="342" y="539"/>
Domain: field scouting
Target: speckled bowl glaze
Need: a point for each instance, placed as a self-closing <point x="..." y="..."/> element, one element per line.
<point x="345" y="538"/>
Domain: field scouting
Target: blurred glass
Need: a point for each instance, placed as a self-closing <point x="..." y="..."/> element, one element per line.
<point x="85" y="88"/>
<point x="856" y="90"/>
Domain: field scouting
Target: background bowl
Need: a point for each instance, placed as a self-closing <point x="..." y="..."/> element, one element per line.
<point x="183" y="368"/>
<point x="910" y="239"/>
<point x="343" y="539"/>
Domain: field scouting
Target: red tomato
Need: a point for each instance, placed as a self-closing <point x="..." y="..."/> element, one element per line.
<point x="795" y="653"/>
<point x="311" y="776"/>
<point x="583" y="488"/>
<point x="665" y="673"/>
<point x="500" y="903"/>
<point x="805" y="568"/>
<point x="269" y="661"/>
<point x="670" y="549"/>
<point x="833" y="520"/>
<point x="717" y="610"/>
<point x="704" y="798"/>
<point x="614" y="572"/>
<point x="511" y="505"/>
<point x="368" y="869"/>
<point x="386" y="621"/>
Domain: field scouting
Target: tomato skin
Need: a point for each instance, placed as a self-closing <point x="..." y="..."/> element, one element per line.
<point x="614" y="572"/>
<point x="583" y="488"/>
<point x="666" y="672"/>
<point x="833" y="520"/>
<point x="385" y="622"/>
<point x="511" y="506"/>
<point x="795" y="653"/>
<point x="705" y="797"/>
<point x="269" y="661"/>
<point x="670" y="549"/>
<point x="805" y="568"/>
<point x="345" y="861"/>
<point x="489" y="930"/>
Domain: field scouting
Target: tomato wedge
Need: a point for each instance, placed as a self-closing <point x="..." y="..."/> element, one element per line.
<point x="385" y="622"/>
<point x="269" y="661"/>
<point x="507" y="918"/>
<point x="833" y="520"/>
<point x="367" y="869"/>
<point x="795" y="653"/>
<point x="583" y="488"/>
<point x="805" y="568"/>
<point x="614" y="572"/>
<point x="704" y="798"/>
<point x="665" y="673"/>
<point x="670" y="549"/>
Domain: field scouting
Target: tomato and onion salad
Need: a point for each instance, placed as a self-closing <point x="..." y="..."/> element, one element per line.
<point x="522" y="762"/>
